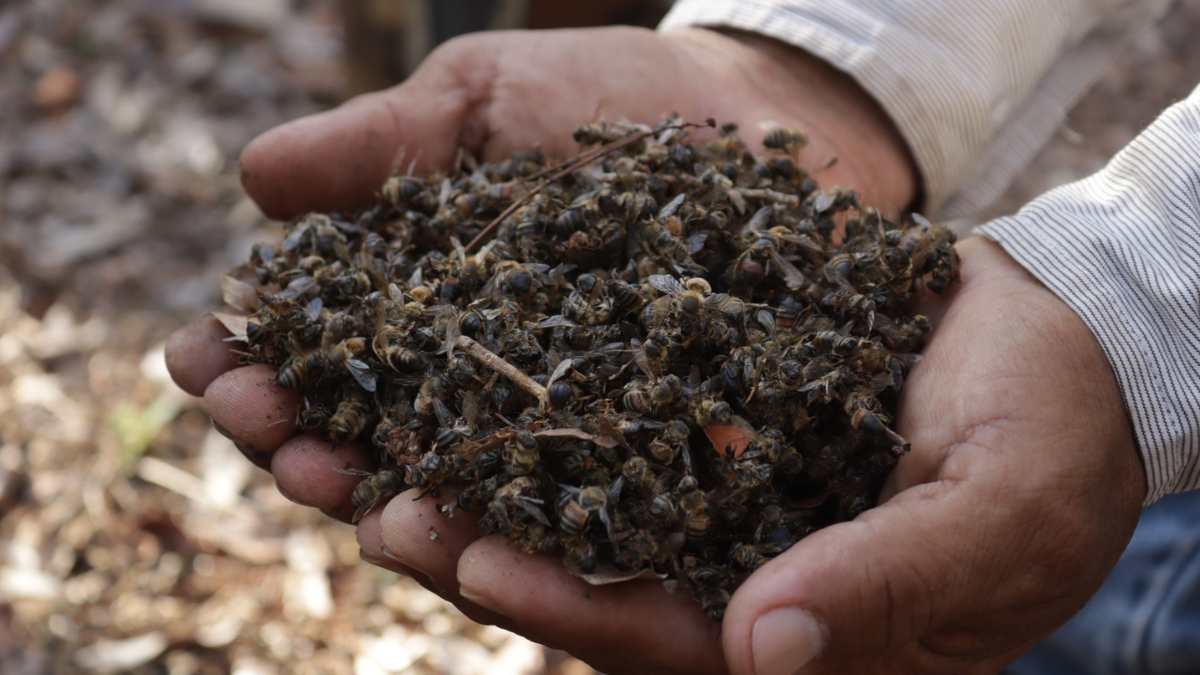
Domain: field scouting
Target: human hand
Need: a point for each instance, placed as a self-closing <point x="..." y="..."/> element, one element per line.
<point x="496" y="93"/>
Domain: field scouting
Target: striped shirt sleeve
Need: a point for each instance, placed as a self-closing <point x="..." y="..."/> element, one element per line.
<point x="1122" y="248"/>
<point x="976" y="88"/>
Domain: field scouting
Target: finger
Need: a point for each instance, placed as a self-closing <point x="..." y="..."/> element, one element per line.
<point x="338" y="160"/>
<point x="371" y="549"/>
<point x="412" y="534"/>
<point x="248" y="407"/>
<point x="881" y="585"/>
<point x="624" y="627"/>
<point x="197" y="354"/>
<point x="415" y="533"/>
<point x="314" y="472"/>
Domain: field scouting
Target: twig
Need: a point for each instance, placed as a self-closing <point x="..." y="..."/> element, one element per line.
<point x="584" y="160"/>
<point x="501" y="366"/>
<point x="770" y="196"/>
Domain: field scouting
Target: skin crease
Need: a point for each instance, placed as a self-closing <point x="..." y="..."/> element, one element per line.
<point x="1023" y="485"/>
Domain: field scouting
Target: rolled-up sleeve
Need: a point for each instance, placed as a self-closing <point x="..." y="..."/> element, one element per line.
<point x="976" y="88"/>
<point x="1122" y="248"/>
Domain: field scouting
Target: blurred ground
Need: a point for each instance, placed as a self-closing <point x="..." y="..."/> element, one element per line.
<point x="132" y="537"/>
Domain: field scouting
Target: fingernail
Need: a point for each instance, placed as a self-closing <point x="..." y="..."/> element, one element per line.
<point x="433" y="584"/>
<point x="221" y="430"/>
<point x="287" y="495"/>
<point x="480" y="599"/>
<point x="786" y="640"/>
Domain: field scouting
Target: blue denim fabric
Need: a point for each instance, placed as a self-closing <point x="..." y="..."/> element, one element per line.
<point x="1145" y="620"/>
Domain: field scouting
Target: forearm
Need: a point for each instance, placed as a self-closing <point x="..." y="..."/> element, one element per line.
<point x="974" y="88"/>
<point x="1122" y="248"/>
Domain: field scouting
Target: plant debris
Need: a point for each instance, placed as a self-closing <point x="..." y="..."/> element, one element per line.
<point x="656" y="357"/>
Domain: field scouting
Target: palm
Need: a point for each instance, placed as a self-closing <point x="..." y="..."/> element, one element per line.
<point x="1022" y="464"/>
<point x="496" y="93"/>
<point x="1021" y="477"/>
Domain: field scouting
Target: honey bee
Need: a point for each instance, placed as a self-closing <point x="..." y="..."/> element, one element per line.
<point x="782" y="138"/>
<point x="350" y="417"/>
<point x="902" y="336"/>
<point x="302" y="370"/>
<point x="639" y="551"/>
<point x="829" y="341"/>
<point x="580" y="556"/>
<point x="373" y="488"/>
<point x="787" y="313"/>
<point x="709" y="413"/>
<point x="694" y="504"/>
<point x="625" y="296"/>
<point x="402" y="190"/>
<point x="866" y="414"/>
<point x="848" y="305"/>
<point x="600" y="133"/>
<point x="577" y="506"/>
<point x="313" y="417"/>
<point x="639" y="477"/>
<point x="763" y="257"/>
<point x="521" y="453"/>
<point x="516" y="510"/>
<point x="432" y="470"/>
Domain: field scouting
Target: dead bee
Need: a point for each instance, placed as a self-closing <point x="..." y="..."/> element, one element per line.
<point x="782" y="138"/>
<point x="521" y="453"/>
<point x="382" y="485"/>
<point x="313" y="417"/>
<point x="350" y="417"/>
<point x="594" y="133"/>
<point x="578" y="506"/>
<point x="301" y="371"/>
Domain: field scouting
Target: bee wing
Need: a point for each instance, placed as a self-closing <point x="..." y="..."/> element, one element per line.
<point x="445" y="417"/>
<point x="823" y="201"/>
<point x="759" y="220"/>
<point x="353" y="472"/>
<point x="767" y="320"/>
<point x="486" y="249"/>
<point x="792" y="276"/>
<point x="556" y="321"/>
<point x="695" y="242"/>
<point x="459" y="249"/>
<point x="666" y="283"/>
<point x="299" y="287"/>
<point x="639" y="357"/>
<point x="803" y="241"/>
<point x="736" y="198"/>
<point x="453" y="332"/>
<point x="364" y="510"/>
<point x="314" y="308"/>
<point x="560" y="370"/>
<point x="292" y="241"/>
<point x="394" y="292"/>
<point x="921" y="220"/>
<point x="672" y="206"/>
<point x="362" y="374"/>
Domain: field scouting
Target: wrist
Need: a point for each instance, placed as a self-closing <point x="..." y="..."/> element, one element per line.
<point x="841" y="119"/>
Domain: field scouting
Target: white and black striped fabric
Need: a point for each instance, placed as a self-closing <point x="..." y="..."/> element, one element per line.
<point x="1122" y="248"/>
<point x="976" y="88"/>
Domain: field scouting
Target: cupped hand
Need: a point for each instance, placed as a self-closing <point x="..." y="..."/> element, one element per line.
<point x="1023" y="484"/>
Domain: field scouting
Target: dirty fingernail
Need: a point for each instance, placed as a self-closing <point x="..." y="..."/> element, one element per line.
<point x="785" y="640"/>
<point x="481" y="599"/>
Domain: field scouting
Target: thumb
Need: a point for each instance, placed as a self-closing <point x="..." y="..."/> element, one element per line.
<point x="338" y="160"/>
<point x="866" y="588"/>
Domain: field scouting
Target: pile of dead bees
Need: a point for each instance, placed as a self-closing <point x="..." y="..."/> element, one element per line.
<point x="661" y="358"/>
